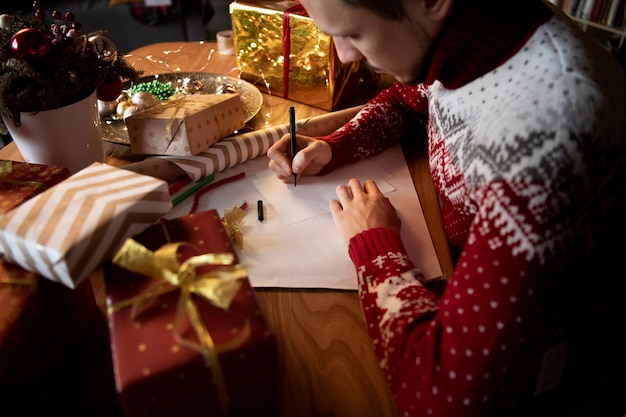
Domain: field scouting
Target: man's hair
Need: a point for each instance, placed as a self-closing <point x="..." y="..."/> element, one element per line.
<point x="389" y="9"/>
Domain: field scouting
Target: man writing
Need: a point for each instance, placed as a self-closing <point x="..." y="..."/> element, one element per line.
<point x="526" y="135"/>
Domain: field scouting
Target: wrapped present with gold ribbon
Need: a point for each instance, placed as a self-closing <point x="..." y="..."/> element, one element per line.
<point x="69" y="230"/>
<point x="20" y="181"/>
<point x="184" y="125"/>
<point x="43" y="330"/>
<point x="280" y="50"/>
<point x="188" y="335"/>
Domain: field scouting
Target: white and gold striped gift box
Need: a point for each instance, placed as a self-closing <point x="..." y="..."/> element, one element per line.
<point x="66" y="232"/>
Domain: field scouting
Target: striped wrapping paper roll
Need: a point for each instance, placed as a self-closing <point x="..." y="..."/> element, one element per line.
<point x="228" y="152"/>
<point x="237" y="149"/>
<point x="67" y="231"/>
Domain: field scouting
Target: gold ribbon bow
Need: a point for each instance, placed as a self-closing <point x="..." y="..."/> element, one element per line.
<point x="218" y="287"/>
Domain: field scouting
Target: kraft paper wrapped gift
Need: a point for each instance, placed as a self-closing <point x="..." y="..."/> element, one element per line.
<point x="280" y="50"/>
<point x="185" y="126"/>
<point x="42" y="327"/>
<point x="20" y="181"/>
<point x="69" y="230"/>
<point x="162" y="367"/>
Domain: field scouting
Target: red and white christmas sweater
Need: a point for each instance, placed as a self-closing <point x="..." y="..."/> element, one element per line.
<point x="526" y="127"/>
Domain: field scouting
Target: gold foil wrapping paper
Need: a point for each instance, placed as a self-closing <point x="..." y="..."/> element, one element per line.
<point x="266" y="51"/>
<point x="67" y="231"/>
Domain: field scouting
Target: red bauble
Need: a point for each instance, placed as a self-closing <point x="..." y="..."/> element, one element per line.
<point x="110" y="91"/>
<point x="30" y="43"/>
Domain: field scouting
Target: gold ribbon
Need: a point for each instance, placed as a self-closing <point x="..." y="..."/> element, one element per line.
<point x="233" y="218"/>
<point x="10" y="276"/>
<point x="177" y="102"/>
<point x="6" y="168"/>
<point x="218" y="287"/>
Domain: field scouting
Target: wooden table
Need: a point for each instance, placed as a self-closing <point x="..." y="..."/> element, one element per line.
<point x="327" y="365"/>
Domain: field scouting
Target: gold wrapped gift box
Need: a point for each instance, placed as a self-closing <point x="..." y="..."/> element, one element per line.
<point x="304" y="67"/>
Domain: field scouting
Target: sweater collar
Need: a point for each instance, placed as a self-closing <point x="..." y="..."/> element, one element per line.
<point x="479" y="36"/>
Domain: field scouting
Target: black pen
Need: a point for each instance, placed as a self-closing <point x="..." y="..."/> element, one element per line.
<point x="292" y="131"/>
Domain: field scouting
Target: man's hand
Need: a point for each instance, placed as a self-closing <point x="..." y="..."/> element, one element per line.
<point x="359" y="208"/>
<point x="313" y="154"/>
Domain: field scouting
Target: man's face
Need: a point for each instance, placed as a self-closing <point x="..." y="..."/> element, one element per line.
<point x="392" y="47"/>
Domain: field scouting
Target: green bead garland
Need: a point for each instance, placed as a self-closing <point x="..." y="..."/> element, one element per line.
<point x="157" y="89"/>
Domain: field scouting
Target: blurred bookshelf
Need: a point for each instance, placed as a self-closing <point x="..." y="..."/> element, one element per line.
<point x="605" y="20"/>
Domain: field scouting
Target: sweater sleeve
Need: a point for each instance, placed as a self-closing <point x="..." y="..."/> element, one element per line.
<point x="455" y="356"/>
<point x="381" y="123"/>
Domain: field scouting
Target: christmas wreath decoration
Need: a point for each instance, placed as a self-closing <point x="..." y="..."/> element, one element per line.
<point x="44" y="65"/>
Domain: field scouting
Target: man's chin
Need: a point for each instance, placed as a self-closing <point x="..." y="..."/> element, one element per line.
<point x="412" y="79"/>
<point x="402" y="79"/>
<point x="379" y="71"/>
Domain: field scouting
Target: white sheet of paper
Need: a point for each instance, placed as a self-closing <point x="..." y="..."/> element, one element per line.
<point x="311" y="195"/>
<point x="297" y="245"/>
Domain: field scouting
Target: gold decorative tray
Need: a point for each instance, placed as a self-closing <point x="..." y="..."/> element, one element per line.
<point x="114" y="130"/>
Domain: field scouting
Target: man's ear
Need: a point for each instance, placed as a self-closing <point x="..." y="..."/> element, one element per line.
<point x="437" y="9"/>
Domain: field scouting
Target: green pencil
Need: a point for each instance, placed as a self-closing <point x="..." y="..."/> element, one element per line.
<point x="191" y="190"/>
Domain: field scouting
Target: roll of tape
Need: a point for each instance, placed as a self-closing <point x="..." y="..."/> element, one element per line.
<point x="225" y="42"/>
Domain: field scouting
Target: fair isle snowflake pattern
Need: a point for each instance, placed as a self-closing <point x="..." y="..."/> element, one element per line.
<point x="479" y="138"/>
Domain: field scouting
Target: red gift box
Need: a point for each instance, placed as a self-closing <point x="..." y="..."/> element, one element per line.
<point x="42" y="328"/>
<point x="20" y="181"/>
<point x="92" y="390"/>
<point x="162" y="367"/>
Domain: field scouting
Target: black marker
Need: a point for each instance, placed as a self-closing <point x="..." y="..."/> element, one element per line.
<point x="259" y="208"/>
<point x="292" y="131"/>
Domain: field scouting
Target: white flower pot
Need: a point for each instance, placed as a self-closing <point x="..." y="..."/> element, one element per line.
<point x="69" y="136"/>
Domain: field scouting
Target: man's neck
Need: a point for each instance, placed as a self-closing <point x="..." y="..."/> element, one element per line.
<point x="479" y="36"/>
